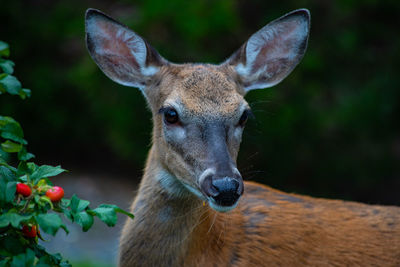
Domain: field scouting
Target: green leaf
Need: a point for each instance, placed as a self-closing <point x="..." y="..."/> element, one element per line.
<point x="13" y="137"/>
<point x="45" y="261"/>
<point x="49" y="222"/>
<point x="10" y="191"/>
<point x="24" y="93"/>
<point x="52" y="260"/>
<point x="68" y="214"/>
<point x="26" y="168"/>
<point x="46" y="171"/>
<point x="65" y="202"/>
<point x="13" y="131"/>
<point x="48" y="260"/>
<point x="18" y="261"/>
<point x="4" y="49"/>
<point x="11" y="85"/>
<point x="4" y="120"/>
<point x="65" y="264"/>
<point x="107" y="215"/>
<point x="84" y="219"/>
<point x="13" y="218"/>
<point x="26" y="259"/>
<point x="44" y="264"/>
<point x="55" y="258"/>
<point x="77" y="205"/>
<point x="13" y="243"/>
<point x="31" y="167"/>
<point x="23" y="155"/>
<point x="3" y="190"/>
<point x="29" y="257"/>
<point x="7" y="66"/>
<point x="11" y="147"/>
<point x="118" y="209"/>
<point x="7" y="174"/>
<point x="23" y="179"/>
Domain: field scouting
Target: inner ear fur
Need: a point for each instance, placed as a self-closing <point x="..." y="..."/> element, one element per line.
<point x="121" y="54"/>
<point x="273" y="52"/>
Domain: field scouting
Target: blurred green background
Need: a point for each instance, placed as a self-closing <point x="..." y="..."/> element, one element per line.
<point x="331" y="129"/>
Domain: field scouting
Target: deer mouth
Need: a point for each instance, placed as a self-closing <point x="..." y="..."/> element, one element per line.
<point x="222" y="200"/>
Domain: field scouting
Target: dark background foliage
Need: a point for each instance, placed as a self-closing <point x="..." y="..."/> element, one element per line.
<point x="330" y="129"/>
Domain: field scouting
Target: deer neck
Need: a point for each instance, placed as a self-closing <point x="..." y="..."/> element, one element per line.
<point x="159" y="190"/>
<point x="169" y="219"/>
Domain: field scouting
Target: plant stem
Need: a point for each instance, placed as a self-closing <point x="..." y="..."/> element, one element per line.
<point x="28" y="200"/>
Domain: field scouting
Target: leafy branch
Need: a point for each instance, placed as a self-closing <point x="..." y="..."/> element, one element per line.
<point x="28" y="200"/>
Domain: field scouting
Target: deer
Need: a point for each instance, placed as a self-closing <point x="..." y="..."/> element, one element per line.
<point x="193" y="207"/>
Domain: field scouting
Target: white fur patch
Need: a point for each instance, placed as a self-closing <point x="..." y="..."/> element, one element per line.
<point x="194" y="191"/>
<point x="237" y="133"/>
<point x="179" y="133"/>
<point x="149" y="71"/>
<point x="176" y="187"/>
<point x="219" y="208"/>
<point x="235" y="170"/>
<point x="206" y="173"/>
<point x="174" y="133"/>
<point x="170" y="183"/>
<point x="138" y="50"/>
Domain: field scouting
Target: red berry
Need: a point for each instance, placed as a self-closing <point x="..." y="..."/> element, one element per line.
<point x="55" y="193"/>
<point x="29" y="231"/>
<point x="24" y="189"/>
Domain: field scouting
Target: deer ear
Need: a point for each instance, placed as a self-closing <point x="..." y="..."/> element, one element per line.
<point x="273" y="52"/>
<point x="121" y="54"/>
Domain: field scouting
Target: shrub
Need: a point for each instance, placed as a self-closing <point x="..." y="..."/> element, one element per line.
<point x="29" y="203"/>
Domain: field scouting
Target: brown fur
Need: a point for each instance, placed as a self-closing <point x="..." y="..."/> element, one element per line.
<point x="268" y="228"/>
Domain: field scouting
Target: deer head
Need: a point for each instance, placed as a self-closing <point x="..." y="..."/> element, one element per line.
<point x="199" y="110"/>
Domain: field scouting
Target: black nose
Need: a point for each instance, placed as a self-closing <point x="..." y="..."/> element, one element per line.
<point x="229" y="190"/>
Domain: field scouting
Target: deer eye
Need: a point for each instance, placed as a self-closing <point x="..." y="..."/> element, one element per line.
<point x="243" y="119"/>
<point x="170" y="116"/>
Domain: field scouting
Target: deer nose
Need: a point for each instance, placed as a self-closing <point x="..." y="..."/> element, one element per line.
<point x="225" y="191"/>
<point x="229" y="191"/>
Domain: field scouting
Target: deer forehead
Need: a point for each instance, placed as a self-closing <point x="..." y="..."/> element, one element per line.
<point x="203" y="89"/>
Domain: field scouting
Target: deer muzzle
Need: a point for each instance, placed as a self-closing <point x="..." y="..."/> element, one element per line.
<point x="223" y="193"/>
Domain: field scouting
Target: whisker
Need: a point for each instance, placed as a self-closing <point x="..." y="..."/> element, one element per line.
<point x="194" y="227"/>
<point x="215" y="216"/>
